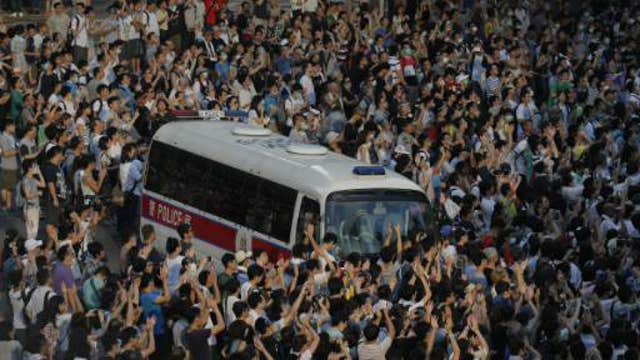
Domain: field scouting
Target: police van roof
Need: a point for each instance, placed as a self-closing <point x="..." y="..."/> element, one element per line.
<point x="272" y="157"/>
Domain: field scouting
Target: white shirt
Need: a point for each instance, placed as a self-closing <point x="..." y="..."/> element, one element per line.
<point x="307" y="87"/>
<point x="173" y="266"/>
<point x="526" y="112"/>
<point x="101" y="109"/>
<point x="244" y="290"/>
<point x="17" y="304"/>
<point x="37" y="41"/>
<point x="36" y="303"/>
<point x="153" y="26"/>
<point x="229" y="316"/>
<point x="124" y="25"/>
<point x="488" y="206"/>
<point x="79" y="27"/>
<point x="134" y="34"/>
<point x="606" y="225"/>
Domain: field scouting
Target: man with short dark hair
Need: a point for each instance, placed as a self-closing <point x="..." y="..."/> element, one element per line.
<point x="62" y="274"/>
<point x="185" y="231"/>
<point x="151" y="300"/>
<point x="58" y="22"/>
<point x="95" y="259"/>
<point x="147" y="250"/>
<point x="43" y="292"/>
<point x="8" y="164"/>
<point x="55" y="194"/>
<point x="229" y="272"/>
<point x="79" y="28"/>
<point x="92" y="288"/>
<point x="371" y="348"/>
<point x="174" y="262"/>
<point x="100" y="106"/>
<point x="255" y="273"/>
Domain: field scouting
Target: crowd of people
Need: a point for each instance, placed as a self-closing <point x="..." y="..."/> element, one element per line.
<point x="519" y="119"/>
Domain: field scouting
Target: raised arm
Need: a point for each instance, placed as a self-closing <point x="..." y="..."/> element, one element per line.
<point x="151" y="341"/>
<point x="391" y="329"/>
<point x="398" y="242"/>
<point x="166" y="293"/>
<point x="293" y="312"/>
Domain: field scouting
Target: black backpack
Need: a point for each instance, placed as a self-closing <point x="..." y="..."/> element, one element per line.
<point x="26" y="298"/>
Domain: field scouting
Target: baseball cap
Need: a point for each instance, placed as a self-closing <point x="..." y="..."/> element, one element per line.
<point x="32" y="244"/>
<point x="243" y="255"/>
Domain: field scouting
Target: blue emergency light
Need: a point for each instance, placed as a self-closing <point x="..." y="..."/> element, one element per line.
<point x="369" y="170"/>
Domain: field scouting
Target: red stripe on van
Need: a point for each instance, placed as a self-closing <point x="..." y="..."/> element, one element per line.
<point x="205" y="229"/>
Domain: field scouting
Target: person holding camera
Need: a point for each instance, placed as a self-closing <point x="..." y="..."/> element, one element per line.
<point x="86" y="187"/>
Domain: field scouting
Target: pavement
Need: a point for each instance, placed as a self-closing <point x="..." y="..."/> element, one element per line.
<point x="99" y="7"/>
<point x="105" y="234"/>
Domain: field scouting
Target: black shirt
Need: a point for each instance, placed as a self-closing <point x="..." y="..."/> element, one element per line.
<point x="196" y="342"/>
<point x="53" y="174"/>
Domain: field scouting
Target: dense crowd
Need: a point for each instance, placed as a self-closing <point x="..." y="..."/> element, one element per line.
<point x="519" y="119"/>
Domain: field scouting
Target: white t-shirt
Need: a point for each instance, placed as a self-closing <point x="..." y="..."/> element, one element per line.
<point x="173" y="266"/>
<point x="125" y="27"/>
<point x="229" y="316"/>
<point x="153" y="26"/>
<point x="79" y="24"/>
<point x="17" y="304"/>
<point x="134" y="34"/>
<point x="36" y="303"/>
<point x="307" y="87"/>
<point x="244" y="290"/>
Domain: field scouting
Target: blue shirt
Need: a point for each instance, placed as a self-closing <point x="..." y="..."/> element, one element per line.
<point x="134" y="177"/>
<point x="150" y="308"/>
<point x="129" y="97"/>
<point x="222" y="68"/>
<point x="269" y="101"/>
<point x="283" y="66"/>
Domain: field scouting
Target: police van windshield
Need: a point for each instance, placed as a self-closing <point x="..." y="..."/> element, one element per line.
<point x="360" y="217"/>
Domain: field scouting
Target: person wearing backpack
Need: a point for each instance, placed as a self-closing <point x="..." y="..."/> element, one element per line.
<point x="18" y="296"/>
<point x="28" y="196"/>
<point x="79" y="33"/>
<point x="100" y="106"/>
<point x="36" y="298"/>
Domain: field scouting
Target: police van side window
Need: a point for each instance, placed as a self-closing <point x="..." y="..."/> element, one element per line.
<point x="309" y="212"/>
<point x="224" y="191"/>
